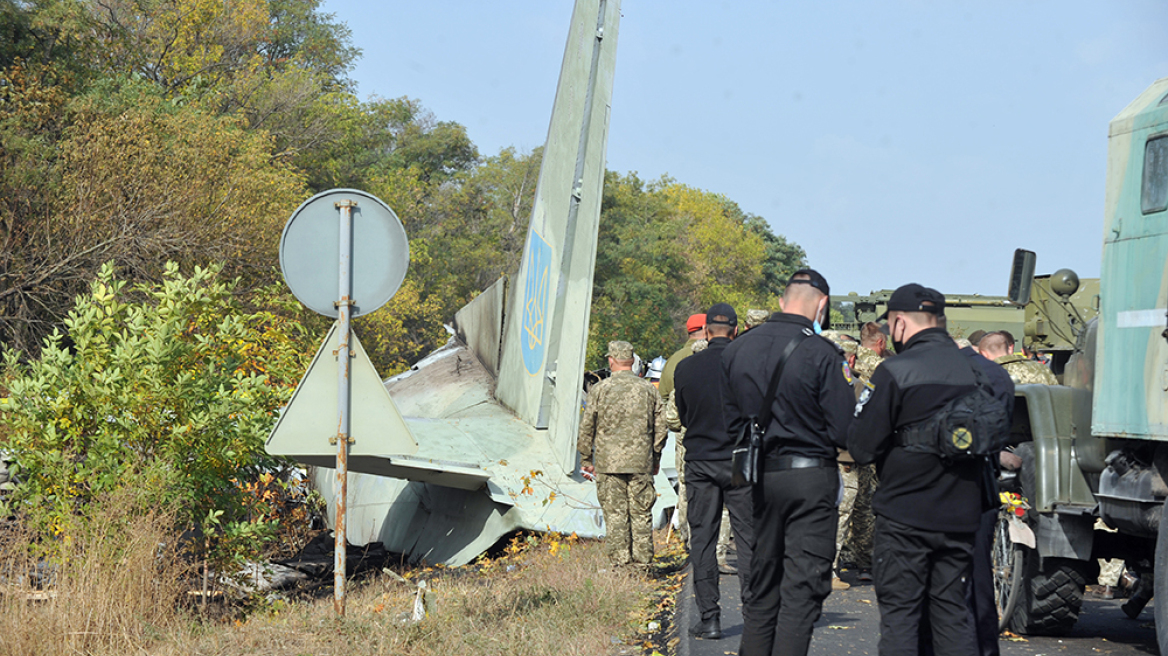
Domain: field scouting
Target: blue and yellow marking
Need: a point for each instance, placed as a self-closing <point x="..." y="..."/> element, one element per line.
<point x="533" y="334"/>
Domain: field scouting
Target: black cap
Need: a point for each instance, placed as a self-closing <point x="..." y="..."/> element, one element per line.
<point x="813" y="278"/>
<point x="722" y="310"/>
<point x="915" y="298"/>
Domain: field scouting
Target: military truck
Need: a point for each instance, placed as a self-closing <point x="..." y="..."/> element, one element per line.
<point x="1097" y="445"/>
<point x="1048" y="323"/>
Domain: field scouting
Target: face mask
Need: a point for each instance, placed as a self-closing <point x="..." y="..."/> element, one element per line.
<point x="815" y="325"/>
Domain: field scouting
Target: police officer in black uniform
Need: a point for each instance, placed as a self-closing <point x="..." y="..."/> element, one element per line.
<point x="708" y="449"/>
<point x="927" y="511"/>
<point x="795" y="512"/>
<point x="980" y="589"/>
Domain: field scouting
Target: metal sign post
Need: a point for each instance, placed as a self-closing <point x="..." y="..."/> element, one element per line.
<point x="372" y="258"/>
<point x="341" y="483"/>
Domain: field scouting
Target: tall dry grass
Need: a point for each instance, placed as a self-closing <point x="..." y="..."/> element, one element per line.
<point x="115" y="585"/>
<point x="532" y="604"/>
<point x="107" y="583"/>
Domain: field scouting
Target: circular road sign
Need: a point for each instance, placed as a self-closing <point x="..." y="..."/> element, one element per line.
<point x="310" y="257"/>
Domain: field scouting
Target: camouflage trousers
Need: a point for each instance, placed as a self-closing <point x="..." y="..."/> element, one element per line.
<point x="849" y="473"/>
<point x="682" y="520"/>
<point x="858" y="547"/>
<point x="627" y="500"/>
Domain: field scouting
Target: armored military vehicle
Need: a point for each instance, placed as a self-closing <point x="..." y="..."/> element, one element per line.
<point x="1097" y="446"/>
<point x="1058" y="308"/>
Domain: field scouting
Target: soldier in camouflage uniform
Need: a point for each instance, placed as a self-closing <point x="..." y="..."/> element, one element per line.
<point x="621" y="436"/>
<point x="695" y="326"/>
<point x="858" y="548"/>
<point x="996" y="346"/>
<point x="677" y="431"/>
<point x="673" y="422"/>
<point x="755" y="318"/>
<point x="848" y="470"/>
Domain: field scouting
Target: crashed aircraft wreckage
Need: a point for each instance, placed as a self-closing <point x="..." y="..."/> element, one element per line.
<point x="478" y="439"/>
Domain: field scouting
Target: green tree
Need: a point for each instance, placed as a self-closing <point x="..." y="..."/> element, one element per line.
<point x="136" y="178"/>
<point x="781" y="259"/>
<point x="640" y="285"/>
<point x="174" y="394"/>
<point x="300" y="33"/>
<point x="667" y="250"/>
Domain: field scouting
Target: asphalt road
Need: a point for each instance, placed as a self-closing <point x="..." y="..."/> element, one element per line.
<point x="851" y="625"/>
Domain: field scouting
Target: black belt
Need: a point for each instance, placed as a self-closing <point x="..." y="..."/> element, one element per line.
<point x="783" y="463"/>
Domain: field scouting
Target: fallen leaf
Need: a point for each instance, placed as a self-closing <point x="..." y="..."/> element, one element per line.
<point x="839" y="627"/>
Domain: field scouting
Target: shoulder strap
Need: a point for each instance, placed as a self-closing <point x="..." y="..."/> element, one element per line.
<point x="764" y="413"/>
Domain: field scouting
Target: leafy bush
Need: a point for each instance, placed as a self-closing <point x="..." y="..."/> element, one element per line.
<point x="169" y="388"/>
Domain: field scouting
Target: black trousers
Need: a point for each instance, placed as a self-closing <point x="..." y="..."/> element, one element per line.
<point x="795" y="522"/>
<point x="979" y="593"/>
<point x="917" y="569"/>
<point x="707" y="484"/>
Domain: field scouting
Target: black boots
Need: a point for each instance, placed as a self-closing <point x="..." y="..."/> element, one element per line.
<point x="710" y="629"/>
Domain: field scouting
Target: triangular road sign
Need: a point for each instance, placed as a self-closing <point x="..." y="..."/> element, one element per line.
<point x="310" y="418"/>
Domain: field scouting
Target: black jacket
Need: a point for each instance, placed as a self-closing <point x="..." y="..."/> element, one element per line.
<point x="1000" y="381"/>
<point x="917" y="489"/>
<point x="813" y="405"/>
<point x="697" y="389"/>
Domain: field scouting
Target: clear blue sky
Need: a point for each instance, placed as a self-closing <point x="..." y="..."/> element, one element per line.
<point x="896" y="141"/>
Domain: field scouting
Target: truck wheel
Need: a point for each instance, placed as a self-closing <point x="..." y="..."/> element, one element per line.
<point x="1052" y="588"/>
<point x="1052" y="595"/>
<point x="1008" y="564"/>
<point x="1160" y="585"/>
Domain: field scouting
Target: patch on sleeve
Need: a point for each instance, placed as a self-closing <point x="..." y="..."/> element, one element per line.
<point x="865" y="396"/>
<point x="847" y="372"/>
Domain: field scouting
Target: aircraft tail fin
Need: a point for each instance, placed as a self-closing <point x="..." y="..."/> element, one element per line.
<point x="545" y="332"/>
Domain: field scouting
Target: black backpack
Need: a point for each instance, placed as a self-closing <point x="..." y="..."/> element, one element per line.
<point x="969" y="427"/>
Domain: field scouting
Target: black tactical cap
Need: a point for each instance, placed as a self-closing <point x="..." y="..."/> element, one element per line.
<point x="813" y="278"/>
<point x="915" y="298"/>
<point x="722" y="310"/>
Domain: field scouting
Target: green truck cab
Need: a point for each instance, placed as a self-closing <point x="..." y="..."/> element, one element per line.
<point x="1097" y="445"/>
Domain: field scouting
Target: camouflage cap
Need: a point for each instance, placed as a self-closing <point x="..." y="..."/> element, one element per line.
<point x="841" y="340"/>
<point x="620" y="350"/>
<point x="756" y="317"/>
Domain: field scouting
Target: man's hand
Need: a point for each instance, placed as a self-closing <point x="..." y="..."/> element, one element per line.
<point x="588" y="472"/>
<point x="1010" y="461"/>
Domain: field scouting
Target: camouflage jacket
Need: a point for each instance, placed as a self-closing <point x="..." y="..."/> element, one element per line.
<point x="866" y="362"/>
<point x="1026" y="372"/>
<point x="623" y="428"/>
<point x="672" y="419"/>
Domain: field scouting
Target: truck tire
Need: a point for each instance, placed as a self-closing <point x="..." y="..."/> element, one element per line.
<point x="1052" y="588"/>
<point x="1052" y="595"/>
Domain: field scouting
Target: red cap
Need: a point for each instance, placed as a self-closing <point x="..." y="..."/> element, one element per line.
<point x="695" y="322"/>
